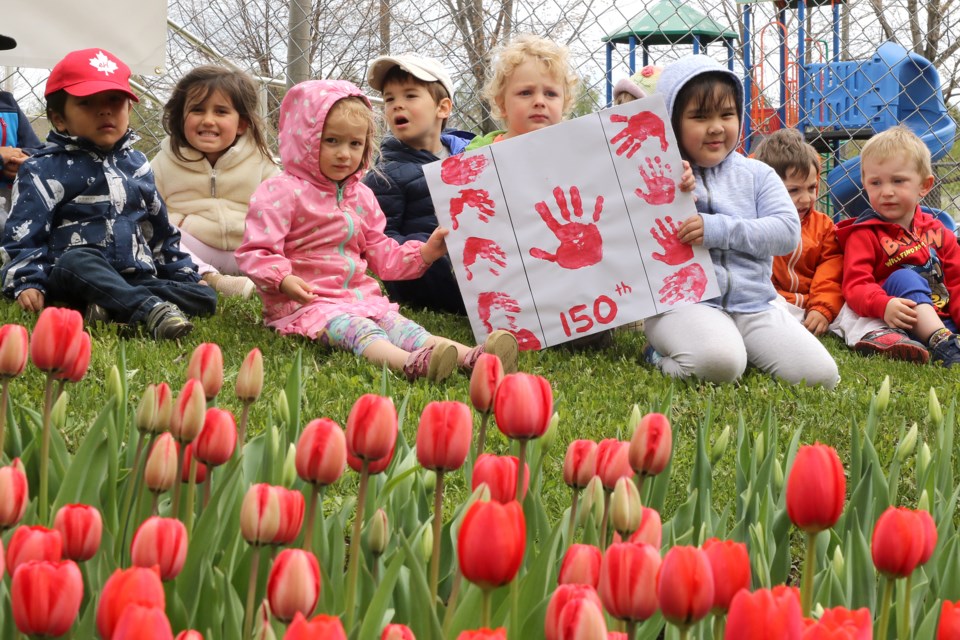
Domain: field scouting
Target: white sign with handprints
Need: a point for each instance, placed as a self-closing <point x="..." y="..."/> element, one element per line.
<point x="572" y="229"/>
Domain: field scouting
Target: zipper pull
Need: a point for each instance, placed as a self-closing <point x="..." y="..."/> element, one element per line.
<point x="213" y="183"/>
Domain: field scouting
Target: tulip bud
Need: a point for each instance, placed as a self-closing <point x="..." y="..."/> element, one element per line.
<point x="561" y="597"/>
<point x="581" y="565"/>
<point x="262" y="630"/>
<point x="898" y="542"/>
<point x="634" y="420"/>
<point x="760" y="448"/>
<point x="160" y="472"/>
<point x="523" y="406"/>
<point x="625" y="507"/>
<point x="13" y="350"/>
<point x="288" y="475"/>
<point x="720" y="446"/>
<point x="164" y="415"/>
<point x="580" y="463"/>
<point x="160" y="542"/>
<point x="907" y="444"/>
<point x="190" y="412"/>
<point x="923" y="504"/>
<point x="33" y="543"/>
<point x="816" y="488"/>
<point x="371" y="427"/>
<point x="936" y="413"/>
<point x="837" y="563"/>
<point x="777" y="474"/>
<point x="125" y="587"/>
<point x="378" y="533"/>
<point x="271" y="515"/>
<point x="486" y="377"/>
<point x="45" y="597"/>
<point x="924" y="458"/>
<point x="426" y="544"/>
<point x="429" y="479"/>
<point x="882" y="399"/>
<point x="443" y="435"/>
<point x="321" y="452"/>
<point x="582" y="619"/>
<point x="685" y="585"/>
<point x="14" y="494"/>
<point x="189" y="634"/>
<point x="81" y="528"/>
<point x="56" y="341"/>
<point x="730" y="567"/>
<point x="206" y="365"/>
<point x="217" y="440"/>
<point x="200" y="472"/>
<point x="550" y="436"/>
<point x="294" y="584"/>
<point x="115" y="384"/>
<point x="250" y="377"/>
<point x="591" y="503"/>
<point x="628" y="581"/>
<point x="58" y="413"/>
<point x="651" y="445"/>
<point x="397" y="632"/>
<point x="137" y="622"/>
<point x="147" y="410"/>
<point x="614" y="460"/>
<point x="321" y="626"/>
<point x="490" y="559"/>
<point x="75" y="369"/>
<point x="282" y="407"/>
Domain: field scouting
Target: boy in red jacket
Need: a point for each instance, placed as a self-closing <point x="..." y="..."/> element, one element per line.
<point x="901" y="264"/>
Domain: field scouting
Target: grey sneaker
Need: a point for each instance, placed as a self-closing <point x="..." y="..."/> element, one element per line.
<point x="947" y="352"/>
<point x="500" y="343"/>
<point x="433" y="362"/>
<point x="94" y="313"/>
<point x="167" y="322"/>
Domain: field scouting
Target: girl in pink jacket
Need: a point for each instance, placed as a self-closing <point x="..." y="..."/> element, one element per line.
<point x="314" y="230"/>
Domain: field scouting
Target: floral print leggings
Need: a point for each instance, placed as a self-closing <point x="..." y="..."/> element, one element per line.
<point x="356" y="333"/>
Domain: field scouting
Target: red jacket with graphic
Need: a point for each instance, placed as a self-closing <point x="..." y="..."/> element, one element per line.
<point x="874" y="248"/>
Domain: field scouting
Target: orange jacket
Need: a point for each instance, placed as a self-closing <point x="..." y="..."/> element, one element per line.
<point x="810" y="276"/>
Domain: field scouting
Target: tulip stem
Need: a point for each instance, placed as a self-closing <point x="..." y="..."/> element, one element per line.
<point x="521" y="465"/>
<point x="243" y="427"/>
<point x="452" y="602"/>
<point x="437" y="532"/>
<point x="251" y="594"/>
<point x="353" y="564"/>
<point x="809" y="568"/>
<point x="571" y="528"/>
<point x="485" y="610"/>
<point x="684" y="632"/>
<point x="604" y="520"/>
<point x="128" y="492"/>
<point x="45" y="450"/>
<point x="191" y="491"/>
<point x="207" y="490"/>
<point x="175" y="506"/>
<point x="905" y="626"/>
<point x="482" y="436"/>
<point x="718" y="627"/>
<point x="884" y="624"/>
<point x="4" y="396"/>
<point x="155" y="504"/>
<point x="638" y="480"/>
<point x="311" y="513"/>
<point x="631" y="630"/>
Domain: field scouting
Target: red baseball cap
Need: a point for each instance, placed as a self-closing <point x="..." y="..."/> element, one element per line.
<point x="89" y="71"/>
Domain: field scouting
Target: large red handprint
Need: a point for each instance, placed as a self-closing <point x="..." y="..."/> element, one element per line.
<point x="640" y="126"/>
<point x="459" y="170"/>
<point x="479" y="199"/>
<point x="484" y="248"/>
<point x="488" y="301"/>
<point x="674" y="251"/>
<point x="688" y="283"/>
<point x="660" y="187"/>
<point x="580" y="244"/>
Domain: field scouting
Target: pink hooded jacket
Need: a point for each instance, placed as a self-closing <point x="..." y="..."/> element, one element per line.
<point x="302" y="223"/>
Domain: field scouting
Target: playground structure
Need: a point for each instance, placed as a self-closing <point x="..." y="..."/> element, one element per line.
<point x="830" y="100"/>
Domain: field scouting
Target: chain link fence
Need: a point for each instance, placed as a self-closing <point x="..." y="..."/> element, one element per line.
<point x="821" y="67"/>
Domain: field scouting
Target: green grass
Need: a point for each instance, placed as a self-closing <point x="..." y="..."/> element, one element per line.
<point x="593" y="390"/>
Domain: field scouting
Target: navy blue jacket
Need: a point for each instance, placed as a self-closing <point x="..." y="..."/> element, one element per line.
<point x="71" y="194"/>
<point x="15" y="129"/>
<point x="405" y="199"/>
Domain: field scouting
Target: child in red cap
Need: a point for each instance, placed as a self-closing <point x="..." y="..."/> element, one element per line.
<point x="87" y="225"/>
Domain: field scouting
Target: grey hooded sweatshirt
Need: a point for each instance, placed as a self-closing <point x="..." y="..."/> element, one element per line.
<point x="748" y="216"/>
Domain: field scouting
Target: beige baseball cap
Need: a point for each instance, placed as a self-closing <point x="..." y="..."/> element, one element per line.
<point x="426" y="69"/>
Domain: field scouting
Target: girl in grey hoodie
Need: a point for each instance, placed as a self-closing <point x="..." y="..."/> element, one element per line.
<point x="745" y="217"/>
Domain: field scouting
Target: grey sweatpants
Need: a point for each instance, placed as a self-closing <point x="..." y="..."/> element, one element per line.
<point x="711" y="344"/>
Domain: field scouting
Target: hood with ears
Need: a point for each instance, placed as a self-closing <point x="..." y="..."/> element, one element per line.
<point x="677" y="74"/>
<point x="302" y="114"/>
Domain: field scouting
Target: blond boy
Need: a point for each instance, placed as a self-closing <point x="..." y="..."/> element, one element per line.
<point x="900" y="263"/>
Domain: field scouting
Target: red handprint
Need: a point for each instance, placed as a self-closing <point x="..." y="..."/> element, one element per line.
<point x="580" y="244"/>
<point x="660" y="187"/>
<point x="526" y="339"/>
<point x="459" y="170"/>
<point x="482" y="248"/>
<point x="487" y="301"/>
<point x="688" y="283"/>
<point x="640" y="126"/>
<point x="479" y="199"/>
<point x="674" y="251"/>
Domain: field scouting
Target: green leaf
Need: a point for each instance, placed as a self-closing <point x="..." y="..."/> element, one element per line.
<point x="376" y="615"/>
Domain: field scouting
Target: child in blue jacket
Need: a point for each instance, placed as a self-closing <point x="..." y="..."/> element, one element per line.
<point x="16" y="139"/>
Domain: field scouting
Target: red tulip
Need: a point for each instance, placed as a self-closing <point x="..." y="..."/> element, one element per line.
<point x="949" y="626"/>
<point x="500" y="475"/>
<point x="133" y="586"/>
<point x="13" y="350"/>
<point x="499" y="633"/>
<point x="326" y="627"/>
<point x="685" y="585"/>
<point x="580" y="463"/>
<point x="371" y="427"/>
<point x="581" y="565"/>
<point x="201" y="473"/>
<point x="191" y="409"/>
<point x="651" y="529"/>
<point x="929" y="535"/>
<point x="816" y="488"/>
<point x="164" y="415"/>
<point x="628" y="581"/>
<point x="374" y="467"/>
<point x="206" y="365"/>
<point x="160" y="542"/>
<point x="443" y="438"/>
<point x="617" y="635"/>
<point x="80" y="528"/>
<point x="292" y="507"/>
<point x="898" y="542"/>
<point x="651" y="445"/>
<point x="562" y="596"/>
<point x="271" y="515"/>
<point x="160" y="472"/>
<point x="321" y="452"/>
<point x="764" y="614"/>
<point x="189" y="634"/>
<point x="613" y="462"/>
<point x="397" y="632"/>
<point x="142" y="623"/>
<point x="56" y="341"/>
<point x="45" y="597"/>
<point x="730" y="564"/>
<point x="838" y="623"/>
<point x="14" y="494"/>
<point x="486" y="377"/>
<point x="75" y="369"/>
<point x="33" y="543"/>
<point x="217" y="439"/>
<point x="523" y="406"/>
<point x="294" y="584"/>
<point x="250" y="377"/>
<point x="582" y="619"/>
<point x="491" y="543"/>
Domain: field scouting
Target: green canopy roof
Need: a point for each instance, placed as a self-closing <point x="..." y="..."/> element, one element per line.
<point x="671" y="22"/>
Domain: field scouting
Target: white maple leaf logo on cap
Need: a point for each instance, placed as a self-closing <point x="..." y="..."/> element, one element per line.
<point x="102" y="63"/>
